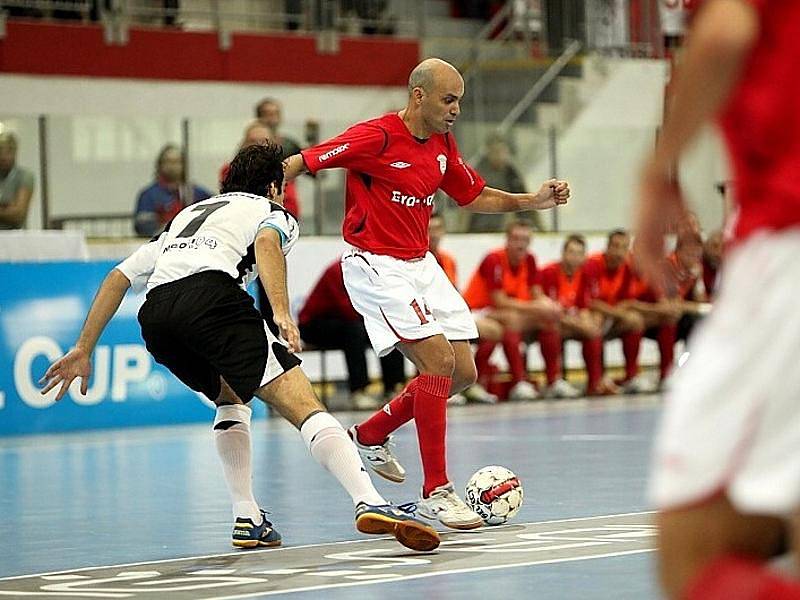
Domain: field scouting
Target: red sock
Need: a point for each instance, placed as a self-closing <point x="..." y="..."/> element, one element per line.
<point x="550" y="343"/>
<point x="666" y="347"/>
<point x="741" y="578"/>
<point x="516" y="364"/>
<point x="399" y="411"/>
<point x="482" y="356"/>
<point x="630" y="348"/>
<point x="430" y="416"/>
<point x="593" y="357"/>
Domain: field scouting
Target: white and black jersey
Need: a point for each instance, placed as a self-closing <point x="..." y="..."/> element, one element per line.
<point x="198" y="320"/>
<point x="217" y="234"/>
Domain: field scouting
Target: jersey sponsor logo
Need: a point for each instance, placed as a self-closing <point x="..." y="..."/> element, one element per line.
<point x="331" y="153"/>
<point x="442" y="163"/>
<point x="193" y="244"/>
<point x="400" y="164"/>
<point x="408" y="200"/>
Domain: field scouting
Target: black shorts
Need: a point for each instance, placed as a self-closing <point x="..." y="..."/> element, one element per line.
<point x="204" y="327"/>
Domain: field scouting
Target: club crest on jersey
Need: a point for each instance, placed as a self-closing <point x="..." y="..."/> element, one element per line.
<point x="400" y="164"/>
<point x="442" y="163"/>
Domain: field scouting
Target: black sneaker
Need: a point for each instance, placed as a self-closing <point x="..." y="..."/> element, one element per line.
<point x="247" y="534"/>
<point x="410" y="532"/>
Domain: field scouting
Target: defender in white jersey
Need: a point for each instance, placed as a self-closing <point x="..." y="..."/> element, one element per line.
<point x="199" y="322"/>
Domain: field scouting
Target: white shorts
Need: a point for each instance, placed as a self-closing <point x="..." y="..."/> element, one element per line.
<point x="404" y="300"/>
<point x="731" y="420"/>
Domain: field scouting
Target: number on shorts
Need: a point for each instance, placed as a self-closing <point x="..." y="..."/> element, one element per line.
<point x="418" y="310"/>
<point x="198" y="221"/>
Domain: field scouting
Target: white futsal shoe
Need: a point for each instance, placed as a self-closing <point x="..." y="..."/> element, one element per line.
<point x="444" y="505"/>
<point x="522" y="391"/>
<point x="477" y="393"/>
<point x="561" y="388"/>
<point x="380" y="458"/>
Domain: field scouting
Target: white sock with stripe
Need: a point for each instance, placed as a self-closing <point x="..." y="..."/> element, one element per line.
<point x="232" y="437"/>
<point x="331" y="447"/>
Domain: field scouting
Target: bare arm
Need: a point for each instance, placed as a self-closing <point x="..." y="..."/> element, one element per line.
<point x="14" y="213"/>
<point x="721" y="39"/>
<point x="491" y="200"/>
<point x="607" y="309"/>
<point x="77" y="362"/>
<point x="293" y="166"/>
<point x="272" y="271"/>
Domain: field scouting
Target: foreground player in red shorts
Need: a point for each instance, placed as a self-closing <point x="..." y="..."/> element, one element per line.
<point x="395" y="164"/>
<point x="726" y="471"/>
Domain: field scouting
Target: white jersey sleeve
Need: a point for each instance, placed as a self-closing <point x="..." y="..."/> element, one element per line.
<point x="285" y="224"/>
<point x="140" y="265"/>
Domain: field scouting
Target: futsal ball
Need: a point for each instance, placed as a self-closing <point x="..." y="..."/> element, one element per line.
<point x="495" y="493"/>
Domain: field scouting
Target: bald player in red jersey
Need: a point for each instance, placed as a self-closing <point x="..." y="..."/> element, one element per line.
<point x="395" y="165"/>
<point x="726" y="468"/>
<point x="570" y="284"/>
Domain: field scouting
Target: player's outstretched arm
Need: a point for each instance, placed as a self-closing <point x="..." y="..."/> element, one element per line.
<point x="722" y="36"/>
<point x="491" y="200"/>
<point x="77" y="362"/>
<point x="293" y="166"/>
<point x="271" y="265"/>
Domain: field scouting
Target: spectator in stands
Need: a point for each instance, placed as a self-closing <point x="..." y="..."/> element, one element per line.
<point x="712" y="261"/>
<point x="167" y="195"/>
<point x="16" y="185"/>
<point x="488" y="329"/>
<point x="506" y="287"/>
<point x="569" y="284"/>
<point x="499" y="171"/>
<point x="611" y="276"/>
<point x="328" y="321"/>
<point x="269" y="112"/>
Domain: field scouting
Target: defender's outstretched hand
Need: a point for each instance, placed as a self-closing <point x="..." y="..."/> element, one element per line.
<point x="76" y="363"/>
<point x="289" y="332"/>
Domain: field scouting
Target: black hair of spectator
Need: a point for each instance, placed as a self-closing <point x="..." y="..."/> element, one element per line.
<point x="615" y="233"/>
<point x="263" y="102"/>
<point x="254" y="169"/>
<point x="160" y="158"/>
<point x="519" y="223"/>
<point x="575" y="238"/>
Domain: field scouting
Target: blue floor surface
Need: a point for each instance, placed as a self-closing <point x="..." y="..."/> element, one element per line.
<point x="104" y="498"/>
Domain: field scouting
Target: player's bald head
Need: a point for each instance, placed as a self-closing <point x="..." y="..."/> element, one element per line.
<point x="433" y="73"/>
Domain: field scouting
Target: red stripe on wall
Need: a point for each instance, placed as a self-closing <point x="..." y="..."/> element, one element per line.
<point x="55" y="49"/>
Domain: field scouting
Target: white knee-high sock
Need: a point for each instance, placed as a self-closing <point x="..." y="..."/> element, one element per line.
<point x="333" y="449"/>
<point x="232" y="436"/>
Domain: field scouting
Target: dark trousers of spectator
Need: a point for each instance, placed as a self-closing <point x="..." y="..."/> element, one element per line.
<point x="351" y="337"/>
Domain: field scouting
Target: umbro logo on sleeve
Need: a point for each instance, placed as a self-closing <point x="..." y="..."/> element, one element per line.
<point x="400" y="165"/>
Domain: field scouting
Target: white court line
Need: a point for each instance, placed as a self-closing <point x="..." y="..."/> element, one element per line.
<point x="271" y="551"/>
<point x="432" y="574"/>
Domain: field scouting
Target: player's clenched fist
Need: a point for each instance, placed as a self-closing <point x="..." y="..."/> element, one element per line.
<point x="552" y="193"/>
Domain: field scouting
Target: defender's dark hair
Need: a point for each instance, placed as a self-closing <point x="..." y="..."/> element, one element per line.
<point x="253" y="169"/>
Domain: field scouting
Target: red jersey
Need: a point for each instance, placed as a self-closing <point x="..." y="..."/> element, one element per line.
<point x="685" y="281"/>
<point x="392" y="178"/>
<point x="329" y="298"/>
<point x="496" y="273"/>
<point x="610" y="286"/>
<point x="569" y="292"/>
<point x="761" y="122"/>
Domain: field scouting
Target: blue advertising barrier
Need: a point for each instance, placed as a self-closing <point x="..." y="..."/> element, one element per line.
<point x="42" y="308"/>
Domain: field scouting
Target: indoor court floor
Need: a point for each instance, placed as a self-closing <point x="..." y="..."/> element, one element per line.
<point x="144" y="513"/>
